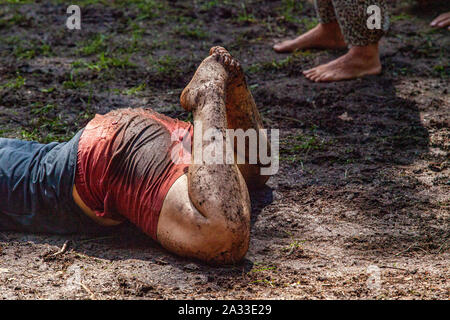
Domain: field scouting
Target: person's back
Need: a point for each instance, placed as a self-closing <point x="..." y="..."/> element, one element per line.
<point x="125" y="166"/>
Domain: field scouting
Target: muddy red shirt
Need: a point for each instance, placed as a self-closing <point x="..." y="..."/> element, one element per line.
<point x="126" y="164"/>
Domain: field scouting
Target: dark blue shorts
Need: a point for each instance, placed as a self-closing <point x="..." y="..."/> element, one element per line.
<point x="36" y="185"/>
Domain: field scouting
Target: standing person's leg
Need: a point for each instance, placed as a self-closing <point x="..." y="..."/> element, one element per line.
<point x="363" y="56"/>
<point x="206" y="213"/>
<point x="326" y="35"/>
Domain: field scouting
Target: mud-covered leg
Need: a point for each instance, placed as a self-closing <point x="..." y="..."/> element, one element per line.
<point x="206" y="214"/>
<point x="242" y="113"/>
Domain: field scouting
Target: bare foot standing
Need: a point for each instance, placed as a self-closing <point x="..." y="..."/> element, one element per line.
<point x="342" y="23"/>
<point x="442" y="21"/>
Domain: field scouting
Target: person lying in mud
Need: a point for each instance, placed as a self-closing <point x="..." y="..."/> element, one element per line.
<point x="343" y="23"/>
<point x="121" y="167"/>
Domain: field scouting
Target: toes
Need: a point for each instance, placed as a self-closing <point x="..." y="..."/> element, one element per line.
<point x="222" y="56"/>
<point x="227" y="59"/>
<point x="279" y="47"/>
<point x="224" y="59"/>
<point x="308" y="74"/>
<point x="311" y="74"/>
<point x="216" y="49"/>
<point x="316" y="77"/>
<point x="212" y="51"/>
<point x="325" y="77"/>
<point x="236" y="65"/>
<point x="309" y="71"/>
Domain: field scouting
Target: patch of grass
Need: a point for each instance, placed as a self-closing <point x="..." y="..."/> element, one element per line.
<point x="135" y="90"/>
<point x="12" y="40"/>
<point x="32" y="135"/>
<point x="274" y="65"/>
<point x="26" y="51"/>
<point x="104" y="62"/>
<point x="14" y="20"/>
<point x="46" y="128"/>
<point x="47" y="90"/>
<point x="303" y="53"/>
<point x="309" y="23"/>
<point x="245" y="16"/>
<point x="209" y="5"/>
<point x="16" y="1"/>
<point x="263" y="268"/>
<point x="148" y="9"/>
<point x="291" y="10"/>
<point x="264" y="281"/>
<point x="37" y="135"/>
<point x="309" y="143"/>
<point x="74" y="84"/>
<point x="134" y="44"/>
<point x="160" y="44"/>
<point x="301" y="144"/>
<point x="4" y="131"/>
<point x="94" y="46"/>
<point x="401" y="16"/>
<point x="294" y="245"/>
<point x="443" y="71"/>
<point x="165" y="65"/>
<point x="23" y="53"/>
<point x="85" y="2"/>
<point x="16" y="83"/>
<point x="42" y="110"/>
<point x="195" y="33"/>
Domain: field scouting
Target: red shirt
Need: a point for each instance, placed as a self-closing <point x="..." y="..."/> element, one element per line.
<point x="125" y="164"/>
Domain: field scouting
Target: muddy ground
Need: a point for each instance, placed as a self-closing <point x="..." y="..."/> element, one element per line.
<point x="360" y="207"/>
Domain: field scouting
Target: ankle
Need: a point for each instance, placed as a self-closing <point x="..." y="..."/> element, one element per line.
<point x="369" y="52"/>
<point x="331" y="28"/>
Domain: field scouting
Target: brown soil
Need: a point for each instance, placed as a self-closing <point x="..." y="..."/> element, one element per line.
<point x="364" y="178"/>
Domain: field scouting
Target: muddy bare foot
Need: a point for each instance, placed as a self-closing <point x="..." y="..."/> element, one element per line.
<point x="358" y="62"/>
<point x="241" y="108"/>
<point x="211" y="76"/>
<point x="241" y="111"/>
<point x="232" y="65"/>
<point x="322" y="36"/>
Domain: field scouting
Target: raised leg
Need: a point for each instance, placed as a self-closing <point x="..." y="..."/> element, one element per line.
<point x="242" y="113"/>
<point x="206" y="213"/>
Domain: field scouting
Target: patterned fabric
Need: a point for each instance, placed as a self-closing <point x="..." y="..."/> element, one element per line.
<point x="352" y="17"/>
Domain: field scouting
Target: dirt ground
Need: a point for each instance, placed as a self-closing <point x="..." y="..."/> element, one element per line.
<point x="360" y="207"/>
